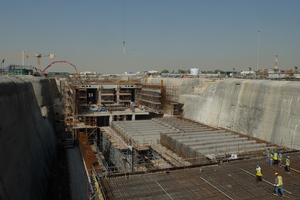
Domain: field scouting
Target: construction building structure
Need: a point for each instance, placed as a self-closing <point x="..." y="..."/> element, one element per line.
<point x="111" y="119"/>
<point x="159" y="98"/>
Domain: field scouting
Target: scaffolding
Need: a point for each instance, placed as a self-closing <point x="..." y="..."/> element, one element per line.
<point x="160" y="98"/>
<point x="82" y="99"/>
<point x="145" y="156"/>
<point x="151" y="96"/>
<point x="68" y="109"/>
<point x="171" y="100"/>
<point x="106" y="96"/>
<point x="124" y="95"/>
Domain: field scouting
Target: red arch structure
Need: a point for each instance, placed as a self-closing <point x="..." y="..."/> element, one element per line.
<point x="61" y="62"/>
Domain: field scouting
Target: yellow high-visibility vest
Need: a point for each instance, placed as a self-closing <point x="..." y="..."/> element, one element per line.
<point x="258" y="172"/>
<point x="275" y="156"/>
<point x="278" y="181"/>
<point x="287" y="162"/>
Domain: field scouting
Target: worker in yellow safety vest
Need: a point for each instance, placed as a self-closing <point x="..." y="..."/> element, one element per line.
<point x="271" y="158"/>
<point x="279" y="158"/>
<point x="287" y="164"/>
<point x="258" y="174"/>
<point x="268" y="154"/>
<point x="275" y="158"/>
<point x="278" y="185"/>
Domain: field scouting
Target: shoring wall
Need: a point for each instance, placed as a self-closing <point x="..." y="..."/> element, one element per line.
<point x="265" y="109"/>
<point x="27" y="142"/>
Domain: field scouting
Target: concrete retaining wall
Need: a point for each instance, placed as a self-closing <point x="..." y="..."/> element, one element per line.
<point x="185" y="85"/>
<point x="27" y="142"/>
<point x="265" y="109"/>
<point x="45" y="89"/>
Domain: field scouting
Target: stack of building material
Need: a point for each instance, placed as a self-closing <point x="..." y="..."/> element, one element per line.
<point x="170" y="155"/>
<point x="142" y="132"/>
<point x="196" y="141"/>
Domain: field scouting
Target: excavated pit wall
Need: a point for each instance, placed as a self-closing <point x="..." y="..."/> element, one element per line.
<point x="45" y="89"/>
<point x="27" y="139"/>
<point x="264" y="109"/>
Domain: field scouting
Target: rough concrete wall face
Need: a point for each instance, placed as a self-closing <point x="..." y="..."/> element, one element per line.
<point x="264" y="109"/>
<point x="27" y="142"/>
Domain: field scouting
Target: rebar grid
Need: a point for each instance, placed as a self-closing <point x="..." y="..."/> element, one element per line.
<point x="223" y="181"/>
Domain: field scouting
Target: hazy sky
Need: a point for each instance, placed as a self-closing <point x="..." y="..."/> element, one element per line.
<point x="159" y="34"/>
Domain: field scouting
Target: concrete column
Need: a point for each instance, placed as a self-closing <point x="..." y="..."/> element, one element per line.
<point x="118" y="95"/>
<point x="110" y="119"/>
<point x="133" y="117"/>
<point x="99" y="96"/>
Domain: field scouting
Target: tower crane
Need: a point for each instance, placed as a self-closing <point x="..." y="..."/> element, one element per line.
<point x="27" y="55"/>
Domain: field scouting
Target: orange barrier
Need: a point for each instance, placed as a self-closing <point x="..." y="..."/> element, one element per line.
<point x="88" y="154"/>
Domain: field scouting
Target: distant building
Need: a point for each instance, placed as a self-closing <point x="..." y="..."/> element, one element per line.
<point x="19" y="70"/>
<point x="153" y="72"/>
<point x="248" y="73"/>
<point x="64" y="74"/>
<point x="87" y="73"/>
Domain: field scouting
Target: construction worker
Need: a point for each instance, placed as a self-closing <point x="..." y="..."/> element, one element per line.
<point x="287" y="164"/>
<point x="275" y="157"/>
<point x="279" y="158"/>
<point x="271" y="158"/>
<point x="278" y="185"/>
<point x="258" y="174"/>
<point x="268" y="154"/>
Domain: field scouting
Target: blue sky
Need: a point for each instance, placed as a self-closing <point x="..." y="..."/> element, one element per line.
<point x="159" y="34"/>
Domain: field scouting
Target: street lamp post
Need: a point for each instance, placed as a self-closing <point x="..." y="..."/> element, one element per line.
<point x="258" y="49"/>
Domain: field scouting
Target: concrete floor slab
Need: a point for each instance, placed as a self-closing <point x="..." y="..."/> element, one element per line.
<point x="226" y="181"/>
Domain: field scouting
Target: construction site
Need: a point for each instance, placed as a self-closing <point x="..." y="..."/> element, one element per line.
<point x="137" y="144"/>
<point x="170" y="100"/>
<point x="133" y="137"/>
